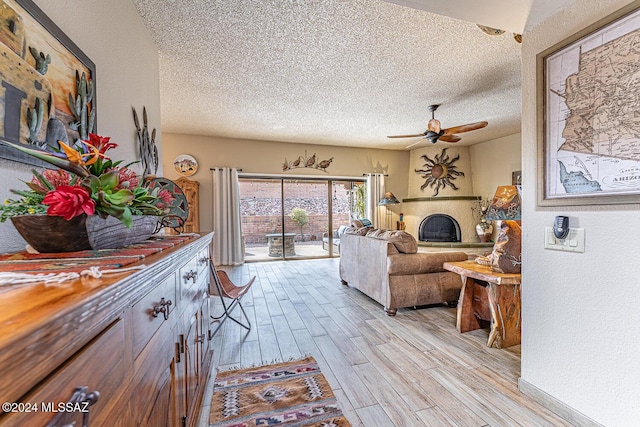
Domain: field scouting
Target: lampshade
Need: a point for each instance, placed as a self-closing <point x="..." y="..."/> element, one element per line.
<point x="388" y="199"/>
<point x="505" y="204"/>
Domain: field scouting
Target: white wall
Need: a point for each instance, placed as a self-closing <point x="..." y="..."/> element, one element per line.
<point x="268" y="157"/>
<point x="112" y="34"/>
<point x="580" y="336"/>
<point x="506" y="151"/>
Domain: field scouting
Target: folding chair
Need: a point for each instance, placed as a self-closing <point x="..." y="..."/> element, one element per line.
<point x="226" y="290"/>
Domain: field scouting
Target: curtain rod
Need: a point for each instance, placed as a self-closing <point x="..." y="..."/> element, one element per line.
<point x="384" y="174"/>
<point x="239" y="169"/>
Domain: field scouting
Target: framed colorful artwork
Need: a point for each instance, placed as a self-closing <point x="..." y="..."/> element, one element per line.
<point x="588" y="122"/>
<point x="48" y="83"/>
<point x="185" y="165"/>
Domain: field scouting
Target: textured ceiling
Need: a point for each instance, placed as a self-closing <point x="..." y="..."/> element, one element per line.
<point x="337" y="72"/>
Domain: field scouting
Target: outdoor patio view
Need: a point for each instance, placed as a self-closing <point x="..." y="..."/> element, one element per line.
<point x="308" y="206"/>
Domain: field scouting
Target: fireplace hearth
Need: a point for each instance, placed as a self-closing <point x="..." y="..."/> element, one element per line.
<point x="439" y="228"/>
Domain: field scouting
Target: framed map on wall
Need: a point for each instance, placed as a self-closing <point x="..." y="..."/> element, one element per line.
<point x="589" y="117"/>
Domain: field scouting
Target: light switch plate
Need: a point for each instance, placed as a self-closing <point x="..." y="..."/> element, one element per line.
<point x="574" y="242"/>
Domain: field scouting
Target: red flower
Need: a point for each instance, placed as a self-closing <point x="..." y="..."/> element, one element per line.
<point x="127" y="179"/>
<point x="101" y="142"/>
<point x="166" y="199"/>
<point x="69" y="202"/>
<point x="54" y="177"/>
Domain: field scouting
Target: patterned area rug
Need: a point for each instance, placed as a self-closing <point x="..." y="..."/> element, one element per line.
<point x="284" y="394"/>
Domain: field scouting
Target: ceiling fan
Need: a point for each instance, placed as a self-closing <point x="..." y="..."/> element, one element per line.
<point x="435" y="133"/>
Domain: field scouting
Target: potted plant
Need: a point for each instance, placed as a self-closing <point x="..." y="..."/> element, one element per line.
<point x="87" y="192"/>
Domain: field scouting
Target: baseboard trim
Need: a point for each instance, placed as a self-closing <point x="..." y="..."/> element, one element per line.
<point x="556" y="406"/>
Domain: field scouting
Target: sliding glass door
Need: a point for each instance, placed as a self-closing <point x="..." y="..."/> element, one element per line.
<point x="293" y="218"/>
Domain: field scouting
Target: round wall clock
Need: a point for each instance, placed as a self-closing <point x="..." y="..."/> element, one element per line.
<point x="185" y="165"/>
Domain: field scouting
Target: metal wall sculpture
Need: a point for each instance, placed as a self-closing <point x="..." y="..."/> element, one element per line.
<point x="439" y="172"/>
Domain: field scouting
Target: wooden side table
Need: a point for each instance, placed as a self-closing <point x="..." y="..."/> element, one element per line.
<point x="487" y="295"/>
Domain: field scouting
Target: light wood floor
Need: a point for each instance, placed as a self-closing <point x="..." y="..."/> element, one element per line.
<point x="413" y="369"/>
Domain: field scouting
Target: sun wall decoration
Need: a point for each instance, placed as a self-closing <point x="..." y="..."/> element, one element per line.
<point x="439" y="172"/>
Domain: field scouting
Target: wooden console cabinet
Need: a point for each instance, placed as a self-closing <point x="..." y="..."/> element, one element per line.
<point x="133" y="348"/>
<point x="191" y="192"/>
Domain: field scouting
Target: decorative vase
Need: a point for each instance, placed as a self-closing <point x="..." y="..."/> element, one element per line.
<point x="53" y="233"/>
<point x="48" y="234"/>
<point x="110" y="233"/>
<point x="484" y="231"/>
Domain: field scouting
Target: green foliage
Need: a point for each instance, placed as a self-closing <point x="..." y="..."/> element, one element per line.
<point x="97" y="174"/>
<point x="109" y="199"/>
<point x="29" y="204"/>
<point x="360" y="192"/>
<point x="300" y="217"/>
<point x="144" y="201"/>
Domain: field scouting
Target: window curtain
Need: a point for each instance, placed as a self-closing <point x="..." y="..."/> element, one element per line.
<point x="227" y="240"/>
<point x="375" y="192"/>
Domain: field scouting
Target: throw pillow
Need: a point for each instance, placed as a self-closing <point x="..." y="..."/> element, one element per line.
<point x="359" y="223"/>
<point x="365" y="222"/>
<point x="404" y="242"/>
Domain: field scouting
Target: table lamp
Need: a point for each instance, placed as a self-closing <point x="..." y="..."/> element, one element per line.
<point x="507" y="251"/>
<point x="388" y="200"/>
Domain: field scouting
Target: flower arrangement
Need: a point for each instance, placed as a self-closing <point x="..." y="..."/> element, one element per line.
<point x="87" y="182"/>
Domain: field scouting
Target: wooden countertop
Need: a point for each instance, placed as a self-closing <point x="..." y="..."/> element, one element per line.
<point x="482" y="272"/>
<point x="44" y="324"/>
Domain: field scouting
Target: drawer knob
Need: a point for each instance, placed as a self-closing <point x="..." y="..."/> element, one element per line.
<point x="163" y="308"/>
<point x="203" y="260"/>
<point x="193" y="275"/>
<point x="79" y="402"/>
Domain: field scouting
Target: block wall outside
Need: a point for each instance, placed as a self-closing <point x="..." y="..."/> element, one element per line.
<point x="260" y="207"/>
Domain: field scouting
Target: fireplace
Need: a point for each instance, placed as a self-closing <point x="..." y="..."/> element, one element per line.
<point x="439" y="228"/>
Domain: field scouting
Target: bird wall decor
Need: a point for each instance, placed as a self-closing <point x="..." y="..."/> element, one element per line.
<point x="307" y="162"/>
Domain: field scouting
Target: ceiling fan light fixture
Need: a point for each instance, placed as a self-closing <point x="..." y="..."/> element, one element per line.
<point x="432" y="137"/>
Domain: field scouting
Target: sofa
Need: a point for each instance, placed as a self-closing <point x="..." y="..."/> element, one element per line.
<point x="386" y="266"/>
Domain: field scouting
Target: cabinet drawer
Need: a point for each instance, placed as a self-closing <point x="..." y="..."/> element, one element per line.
<point x="202" y="261"/>
<point x="99" y="366"/>
<point x="151" y="312"/>
<point x="194" y="274"/>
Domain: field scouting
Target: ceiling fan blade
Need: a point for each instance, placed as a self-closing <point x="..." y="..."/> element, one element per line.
<point x="406" y="136"/>
<point x="465" y="128"/>
<point x="414" y="144"/>
<point x="449" y="138"/>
